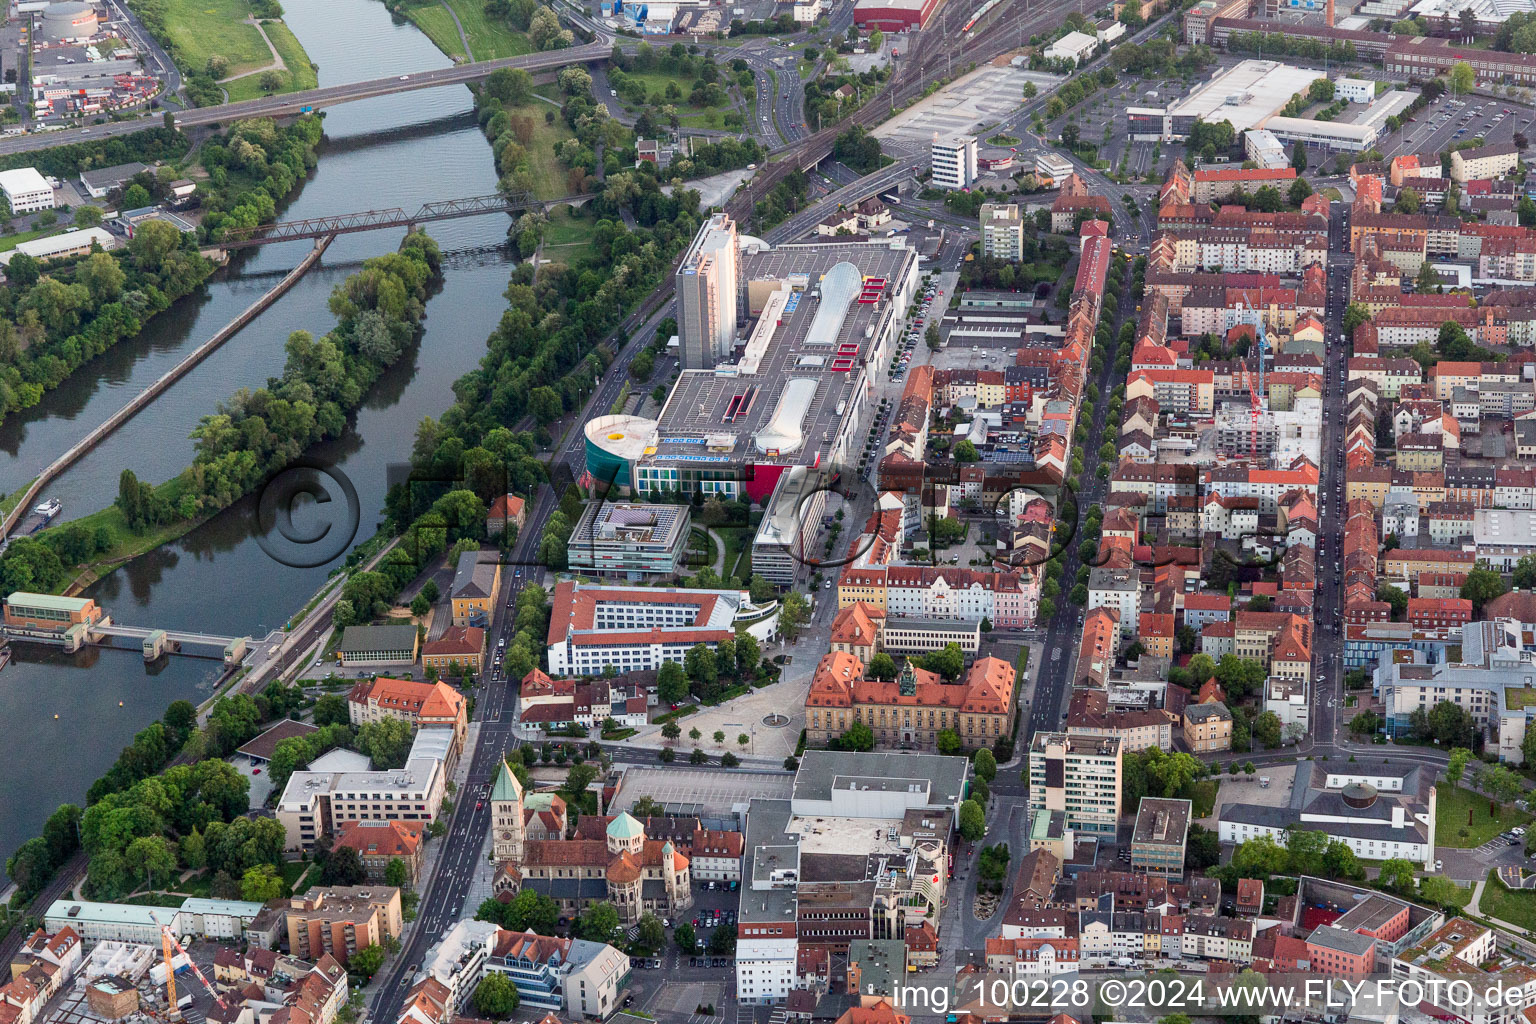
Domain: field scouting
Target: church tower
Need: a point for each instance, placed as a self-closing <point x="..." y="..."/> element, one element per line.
<point x="507" y="828"/>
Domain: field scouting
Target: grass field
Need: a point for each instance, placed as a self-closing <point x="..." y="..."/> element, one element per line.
<point x="488" y="39"/>
<point x="656" y="83"/>
<point x="10" y="242"/>
<point x="202" y="28"/>
<point x="1452" y="806"/>
<point x="299" y="73"/>
<point x="1518" y="908"/>
<point x="548" y="172"/>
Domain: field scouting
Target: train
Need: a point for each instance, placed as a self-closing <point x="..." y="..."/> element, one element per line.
<point x="976" y="18"/>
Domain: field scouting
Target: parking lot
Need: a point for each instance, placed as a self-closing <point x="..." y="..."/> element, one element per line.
<point x="974" y="101"/>
<point x="707" y="794"/>
<point x="1449" y="121"/>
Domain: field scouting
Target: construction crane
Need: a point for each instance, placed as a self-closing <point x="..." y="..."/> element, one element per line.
<point x="168" y="944"/>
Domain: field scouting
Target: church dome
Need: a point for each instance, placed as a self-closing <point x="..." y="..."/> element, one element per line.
<point x="625" y="827"/>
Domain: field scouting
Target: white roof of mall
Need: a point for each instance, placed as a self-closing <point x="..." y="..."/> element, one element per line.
<point x="1247" y="93"/>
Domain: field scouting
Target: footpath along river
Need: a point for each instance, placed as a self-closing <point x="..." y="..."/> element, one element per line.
<point x="393" y="151"/>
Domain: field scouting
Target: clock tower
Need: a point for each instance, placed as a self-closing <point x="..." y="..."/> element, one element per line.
<point x="507" y="817"/>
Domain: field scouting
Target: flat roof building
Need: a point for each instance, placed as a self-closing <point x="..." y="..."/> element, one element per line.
<point x="1158" y="838"/>
<point x="26" y="190"/>
<point x="708" y="285"/>
<point x="798" y="391"/>
<point x="377" y="646"/>
<point x="1002" y="230"/>
<point x="629" y="540"/>
<point x="1078" y="775"/>
<point x="62" y="246"/>
<point x="954" y="161"/>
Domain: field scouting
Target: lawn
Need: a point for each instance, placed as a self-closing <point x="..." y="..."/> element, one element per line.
<point x="1518" y="908"/>
<point x="548" y="172"/>
<point x="1453" y="805"/>
<point x="433" y="19"/>
<point x="10" y="500"/>
<point x="488" y="39"/>
<point x="738" y="551"/>
<point x="656" y="83"/>
<point x="202" y="28"/>
<point x="299" y="74"/>
<point x="567" y="233"/>
<point x="10" y="242"/>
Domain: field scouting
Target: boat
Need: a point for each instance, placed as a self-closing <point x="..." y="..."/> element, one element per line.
<point x="48" y="509"/>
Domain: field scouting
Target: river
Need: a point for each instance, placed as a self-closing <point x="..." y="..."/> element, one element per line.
<point x="392" y="151"/>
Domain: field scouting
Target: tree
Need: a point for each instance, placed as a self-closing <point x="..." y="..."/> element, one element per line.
<point x="1457" y="765"/>
<point x="671" y="683"/>
<point x="331" y="709"/>
<point x="684" y="936"/>
<point x="1462" y="78"/>
<point x="217" y="66"/>
<point x="386" y="742"/>
<point x="973" y="821"/>
<point x="600" y="923"/>
<point x="1407" y="201"/>
<point x="261" y="883"/>
<point x="1299" y="190"/>
<point x="271" y="80"/>
<point x="857" y="737"/>
<point x="1355" y="314"/>
<point x="1499" y="782"/>
<point x="1481" y="586"/>
<point x="883" y="666"/>
<point x="670" y="731"/>
<point x="1266" y="729"/>
<point x="965" y="451"/>
<point x="651" y="934"/>
<point x="397" y="874"/>
<point x="420" y="606"/>
<point x="87" y="216"/>
<point x="1366" y="723"/>
<point x="793" y="612"/>
<point x="1202" y="848"/>
<point x="947" y="742"/>
<point x="1397" y="874"/>
<point x="984" y="765"/>
<point x="749" y="653"/>
<point x="496" y="997"/>
<point x="343" y="867"/>
<point x="367" y="961"/>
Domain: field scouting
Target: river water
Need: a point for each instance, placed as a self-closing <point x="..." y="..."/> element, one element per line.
<point x="392" y="151"/>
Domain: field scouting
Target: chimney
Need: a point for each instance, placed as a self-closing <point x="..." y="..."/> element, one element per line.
<point x="1328" y="15"/>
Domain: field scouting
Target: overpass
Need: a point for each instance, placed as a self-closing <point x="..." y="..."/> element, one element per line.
<point x="313" y="99"/>
<point x="394" y="217"/>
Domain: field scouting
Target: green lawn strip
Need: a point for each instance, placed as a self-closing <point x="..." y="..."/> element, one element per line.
<point x="1518" y="907"/>
<point x="433" y="19"/>
<point x="12" y="241"/>
<point x="10" y="500"/>
<point x="565" y="228"/>
<point x="1452" y="806"/>
<point x="202" y="28"/>
<point x="297" y="75"/>
<point x="489" y="39"/>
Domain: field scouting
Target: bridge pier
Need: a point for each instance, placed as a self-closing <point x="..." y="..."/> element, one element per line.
<point x="154" y="644"/>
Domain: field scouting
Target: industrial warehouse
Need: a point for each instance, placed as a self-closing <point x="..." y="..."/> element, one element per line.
<point x="772" y="416"/>
<point x="1251" y="96"/>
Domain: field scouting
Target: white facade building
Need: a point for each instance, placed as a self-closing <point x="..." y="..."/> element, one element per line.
<point x="954" y="162"/>
<point x="26" y="190"/>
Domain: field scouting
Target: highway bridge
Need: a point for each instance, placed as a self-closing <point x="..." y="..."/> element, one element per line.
<point x="327" y="96"/>
<point x="394" y="217"/>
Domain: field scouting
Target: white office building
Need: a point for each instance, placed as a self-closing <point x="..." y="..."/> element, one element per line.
<point x="954" y="162"/>
<point x="26" y="190"/>
<point x="1355" y="90"/>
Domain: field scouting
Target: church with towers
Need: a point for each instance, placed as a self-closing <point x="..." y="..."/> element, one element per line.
<point x="606" y="858"/>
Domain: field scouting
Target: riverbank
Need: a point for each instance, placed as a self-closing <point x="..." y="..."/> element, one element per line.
<point x="122" y="547"/>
